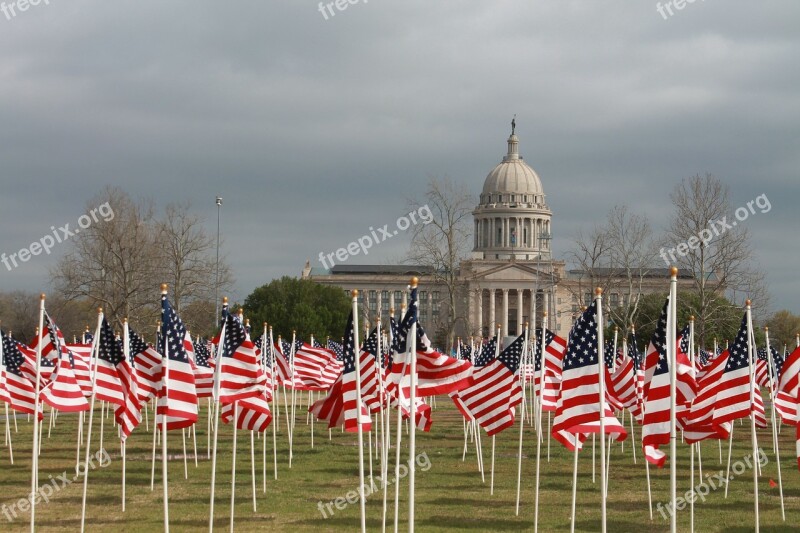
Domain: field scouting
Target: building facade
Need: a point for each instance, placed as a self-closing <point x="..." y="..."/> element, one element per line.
<point x="509" y="277"/>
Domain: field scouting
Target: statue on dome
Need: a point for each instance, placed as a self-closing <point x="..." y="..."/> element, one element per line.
<point x="513" y="124"/>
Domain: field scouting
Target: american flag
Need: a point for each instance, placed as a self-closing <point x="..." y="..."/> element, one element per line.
<point x="623" y="386"/>
<point x="578" y="410"/>
<point x="488" y="353"/>
<point x="496" y="391"/>
<point x="19" y="391"/>
<point x="177" y="397"/>
<point x="554" y="349"/>
<point x="63" y="392"/>
<point x="147" y="363"/>
<point x="656" y="394"/>
<point x="315" y="368"/>
<point x="282" y="361"/>
<point x="252" y="413"/>
<point x="788" y="395"/>
<point x="436" y="373"/>
<point x="82" y="357"/>
<point x="240" y="376"/>
<point x="204" y="369"/>
<point x="115" y="381"/>
<point x="340" y="406"/>
<point x="88" y="337"/>
<point x="336" y="348"/>
<point x="733" y="393"/>
<point x="265" y="361"/>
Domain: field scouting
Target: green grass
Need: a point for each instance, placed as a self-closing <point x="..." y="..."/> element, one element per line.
<point x="449" y="496"/>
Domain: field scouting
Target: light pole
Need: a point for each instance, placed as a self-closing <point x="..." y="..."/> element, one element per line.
<point x="216" y="276"/>
<point x="544" y="237"/>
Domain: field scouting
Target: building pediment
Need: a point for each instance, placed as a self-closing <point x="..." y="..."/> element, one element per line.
<point x="505" y="271"/>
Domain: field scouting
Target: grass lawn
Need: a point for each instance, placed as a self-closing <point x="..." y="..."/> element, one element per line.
<point x="450" y="495"/>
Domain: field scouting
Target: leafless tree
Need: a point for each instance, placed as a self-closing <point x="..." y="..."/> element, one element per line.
<point x="186" y="258"/>
<point x="442" y="243"/>
<point x="119" y="263"/>
<point x="718" y="255"/>
<point x="590" y="257"/>
<point x="112" y="263"/>
<point x="633" y="254"/>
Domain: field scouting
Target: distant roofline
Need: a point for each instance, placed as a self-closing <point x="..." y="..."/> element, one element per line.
<point x="662" y="273"/>
<point x="381" y="269"/>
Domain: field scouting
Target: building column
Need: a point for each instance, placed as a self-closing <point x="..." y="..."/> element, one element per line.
<point x="505" y="313"/>
<point x="379" y="303"/>
<point x="519" y="311"/>
<point x="391" y="302"/>
<point x="480" y="312"/>
<point x="492" y="317"/>
<point x="534" y="323"/>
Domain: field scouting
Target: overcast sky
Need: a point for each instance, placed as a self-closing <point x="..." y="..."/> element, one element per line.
<point x="313" y="130"/>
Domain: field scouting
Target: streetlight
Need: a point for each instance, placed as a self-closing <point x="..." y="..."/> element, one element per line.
<point x="216" y="281"/>
<point x="544" y="237"/>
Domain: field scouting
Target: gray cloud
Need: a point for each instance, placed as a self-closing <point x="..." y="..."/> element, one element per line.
<point x="313" y="130"/>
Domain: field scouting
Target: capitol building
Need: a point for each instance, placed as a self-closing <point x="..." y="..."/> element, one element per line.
<point x="509" y="276"/>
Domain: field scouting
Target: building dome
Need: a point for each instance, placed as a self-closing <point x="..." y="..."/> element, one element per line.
<point x="513" y="175"/>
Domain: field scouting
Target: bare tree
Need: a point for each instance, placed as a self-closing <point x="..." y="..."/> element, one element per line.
<point x="442" y="243"/>
<point x="617" y="256"/>
<point x="186" y="258"/>
<point x="633" y="254"/>
<point x="112" y="262"/>
<point x="717" y="254"/>
<point x="119" y="262"/>
<point x="590" y="256"/>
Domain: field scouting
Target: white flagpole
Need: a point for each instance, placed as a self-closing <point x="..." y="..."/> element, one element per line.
<point x="672" y="359"/>
<point x="574" y="486"/>
<point x="126" y="350"/>
<point x="35" y="448"/>
<point x="412" y="441"/>
<point x="5" y="406"/>
<point x="360" y="430"/>
<point x="601" y="380"/>
<point x="525" y="352"/>
<point x="233" y="462"/>
<point x="164" y="387"/>
<point x="772" y="416"/>
<point x="399" y="392"/>
<point x="649" y="492"/>
<point x="692" y="446"/>
<point x="93" y="358"/>
<point x="386" y="419"/>
<point x="215" y="418"/>
<point x="293" y="352"/>
<point x="477" y="428"/>
<point x="274" y="392"/>
<point x="540" y="392"/>
<point x="750" y="354"/>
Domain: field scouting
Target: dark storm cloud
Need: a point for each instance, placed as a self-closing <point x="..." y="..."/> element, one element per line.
<point x="314" y="130"/>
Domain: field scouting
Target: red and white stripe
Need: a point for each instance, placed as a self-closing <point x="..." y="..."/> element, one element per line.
<point x="63" y="393"/>
<point x="492" y="397"/>
<point x="252" y="414"/>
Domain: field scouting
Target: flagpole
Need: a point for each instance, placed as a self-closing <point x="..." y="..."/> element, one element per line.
<point x="412" y="441"/>
<point x="35" y="448"/>
<point x="95" y="349"/>
<point x="672" y="359"/>
<point x="215" y="418"/>
<point x="772" y="415"/>
<point x="399" y="393"/>
<point x="522" y="426"/>
<point x="233" y="461"/>
<point x="691" y="446"/>
<point x="126" y="350"/>
<point x="165" y="389"/>
<point x="752" y="375"/>
<point x="359" y="428"/>
<point x="601" y="380"/>
<point x="477" y="428"/>
<point x="574" y="485"/>
<point x="293" y="352"/>
<point x="539" y="415"/>
<point x="273" y="394"/>
<point x="5" y="406"/>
